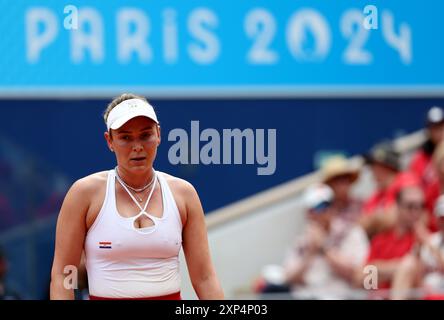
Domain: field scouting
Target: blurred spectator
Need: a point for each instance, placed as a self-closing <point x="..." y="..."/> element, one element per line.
<point x="322" y="262"/>
<point x="6" y="293"/>
<point x="435" y="187"/>
<point x="340" y="176"/>
<point x="379" y="208"/>
<point x="388" y="248"/>
<point x="384" y="165"/>
<point x="424" y="268"/>
<point x="421" y="164"/>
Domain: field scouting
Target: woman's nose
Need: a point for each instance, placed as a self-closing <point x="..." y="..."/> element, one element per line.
<point x="137" y="147"/>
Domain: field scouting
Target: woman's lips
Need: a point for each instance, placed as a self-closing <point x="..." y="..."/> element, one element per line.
<point x="138" y="159"/>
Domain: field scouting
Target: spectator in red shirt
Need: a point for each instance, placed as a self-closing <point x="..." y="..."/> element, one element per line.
<point x="378" y="208"/>
<point x="424" y="268"/>
<point x="388" y="248"/>
<point x="436" y="187"/>
<point x="421" y="163"/>
<point x="384" y="165"/>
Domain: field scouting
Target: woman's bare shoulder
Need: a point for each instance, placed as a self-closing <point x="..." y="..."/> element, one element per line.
<point x="185" y="195"/>
<point x="178" y="184"/>
<point x="83" y="195"/>
<point x="92" y="182"/>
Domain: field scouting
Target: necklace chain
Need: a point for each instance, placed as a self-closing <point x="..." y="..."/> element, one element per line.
<point x="138" y="190"/>
<point x="135" y="189"/>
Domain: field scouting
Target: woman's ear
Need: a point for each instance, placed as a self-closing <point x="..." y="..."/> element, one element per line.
<point x="158" y="134"/>
<point x="108" y="139"/>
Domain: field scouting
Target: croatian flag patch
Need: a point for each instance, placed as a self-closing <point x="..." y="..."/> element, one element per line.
<point x="105" y="245"/>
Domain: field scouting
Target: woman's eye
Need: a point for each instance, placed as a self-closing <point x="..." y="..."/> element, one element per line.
<point x="146" y="135"/>
<point x="125" y="137"/>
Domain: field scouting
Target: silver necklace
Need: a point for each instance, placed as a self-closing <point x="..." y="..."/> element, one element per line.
<point x="135" y="190"/>
<point x="140" y="200"/>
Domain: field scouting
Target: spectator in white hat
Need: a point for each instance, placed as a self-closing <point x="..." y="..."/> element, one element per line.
<point x="340" y="176"/>
<point x="322" y="262"/>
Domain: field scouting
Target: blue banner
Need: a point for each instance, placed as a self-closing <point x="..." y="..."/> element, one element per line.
<point x="218" y="48"/>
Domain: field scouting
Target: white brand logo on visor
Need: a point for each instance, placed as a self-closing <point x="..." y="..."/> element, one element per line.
<point x="132" y="105"/>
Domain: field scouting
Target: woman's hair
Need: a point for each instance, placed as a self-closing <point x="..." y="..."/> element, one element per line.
<point x="119" y="99"/>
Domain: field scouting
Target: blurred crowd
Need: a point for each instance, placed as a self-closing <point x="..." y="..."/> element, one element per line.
<point x="387" y="246"/>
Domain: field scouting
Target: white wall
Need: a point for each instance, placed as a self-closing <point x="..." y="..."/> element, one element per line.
<point x="240" y="248"/>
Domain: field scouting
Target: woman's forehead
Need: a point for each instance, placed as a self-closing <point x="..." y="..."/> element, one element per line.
<point x="137" y="124"/>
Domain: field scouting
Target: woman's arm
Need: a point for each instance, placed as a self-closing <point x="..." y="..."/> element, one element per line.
<point x="70" y="236"/>
<point x="195" y="245"/>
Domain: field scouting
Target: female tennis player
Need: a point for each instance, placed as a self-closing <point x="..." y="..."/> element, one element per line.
<point x="131" y="221"/>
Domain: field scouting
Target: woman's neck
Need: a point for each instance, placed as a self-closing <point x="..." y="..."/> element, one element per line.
<point x="136" y="180"/>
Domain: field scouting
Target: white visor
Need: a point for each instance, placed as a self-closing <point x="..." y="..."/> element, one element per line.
<point x="127" y="110"/>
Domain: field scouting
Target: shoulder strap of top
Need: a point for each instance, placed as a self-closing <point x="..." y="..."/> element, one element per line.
<point x="108" y="201"/>
<point x="170" y="202"/>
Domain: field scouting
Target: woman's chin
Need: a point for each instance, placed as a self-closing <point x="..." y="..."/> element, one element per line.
<point x="139" y="166"/>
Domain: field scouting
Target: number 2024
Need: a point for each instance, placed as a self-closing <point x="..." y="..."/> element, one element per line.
<point x="260" y="26"/>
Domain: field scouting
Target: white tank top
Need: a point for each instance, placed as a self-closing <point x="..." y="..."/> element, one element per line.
<point x="125" y="262"/>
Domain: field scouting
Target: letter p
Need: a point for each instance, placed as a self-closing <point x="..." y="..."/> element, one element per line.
<point x="35" y="40"/>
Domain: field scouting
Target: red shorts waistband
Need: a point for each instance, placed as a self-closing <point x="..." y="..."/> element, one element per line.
<point x="172" y="296"/>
